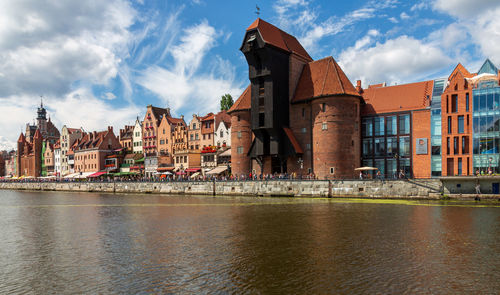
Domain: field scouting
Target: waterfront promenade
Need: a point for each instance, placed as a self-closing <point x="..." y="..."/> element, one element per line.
<point x="407" y="189"/>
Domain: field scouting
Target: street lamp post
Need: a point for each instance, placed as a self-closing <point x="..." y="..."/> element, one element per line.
<point x="301" y="163"/>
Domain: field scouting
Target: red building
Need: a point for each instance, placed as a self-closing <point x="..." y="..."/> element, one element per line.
<point x="298" y="115"/>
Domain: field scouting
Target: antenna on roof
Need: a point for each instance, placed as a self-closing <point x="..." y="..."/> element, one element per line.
<point x="257" y="9"/>
<point x="41" y="101"/>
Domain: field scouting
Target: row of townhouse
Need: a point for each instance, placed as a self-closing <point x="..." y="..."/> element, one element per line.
<point x="159" y="144"/>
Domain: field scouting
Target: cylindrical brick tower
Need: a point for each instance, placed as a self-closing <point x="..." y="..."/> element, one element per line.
<point x="241" y="139"/>
<point x="336" y="136"/>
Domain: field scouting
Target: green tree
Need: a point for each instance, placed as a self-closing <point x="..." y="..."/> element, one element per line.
<point x="226" y="102"/>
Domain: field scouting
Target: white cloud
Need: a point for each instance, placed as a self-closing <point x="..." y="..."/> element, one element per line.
<point x="393" y="20"/>
<point x="189" y="85"/>
<point x="465" y="8"/>
<point x="61" y="49"/>
<point x="109" y="96"/>
<point x="299" y="18"/>
<point x="403" y="15"/>
<point x="403" y="59"/>
<point x="6" y="144"/>
<point x="79" y="108"/>
<point x="47" y="46"/>
<point x="420" y="6"/>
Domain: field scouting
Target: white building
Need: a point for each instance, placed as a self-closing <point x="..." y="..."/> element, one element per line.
<point x="137" y="137"/>
<point x="68" y="137"/>
<point x="222" y="134"/>
<point x="57" y="158"/>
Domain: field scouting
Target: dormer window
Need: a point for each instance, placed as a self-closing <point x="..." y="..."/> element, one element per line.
<point x="251" y="38"/>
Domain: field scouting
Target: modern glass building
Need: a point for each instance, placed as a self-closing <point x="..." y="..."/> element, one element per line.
<point x="486" y="119"/>
<point x="437" y="90"/>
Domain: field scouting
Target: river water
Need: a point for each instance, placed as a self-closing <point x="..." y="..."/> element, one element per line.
<point x="104" y="243"/>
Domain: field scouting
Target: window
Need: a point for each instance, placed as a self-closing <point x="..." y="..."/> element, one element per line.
<point x="460" y="124"/>
<point x="323" y="107"/>
<point x="162" y="141"/>
<point x="163" y="130"/>
<point x="367" y="127"/>
<point x="404" y="124"/>
<point x="379" y="147"/>
<point x="304" y="130"/>
<point x="459" y="166"/>
<point x="308" y="146"/>
<point x="191" y="136"/>
<point x="404" y="146"/>
<point x="392" y="128"/>
<point x="324" y="126"/>
<point x="467" y="102"/>
<point x="465" y="145"/>
<point x="239" y="118"/>
<point x="367" y="147"/>
<point x="455" y="145"/>
<point x="239" y="150"/>
<point x="379" y="126"/>
<point x="454" y="103"/>
<point x="449" y="124"/>
<point x="332" y="170"/>
<point x="262" y="119"/>
<point x="392" y="146"/>
<point x="196" y="136"/>
<point x="221" y="133"/>
<point x="303" y="112"/>
<point x="203" y="136"/>
<point x="238" y="134"/>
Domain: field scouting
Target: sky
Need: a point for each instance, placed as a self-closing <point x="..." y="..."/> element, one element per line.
<point x="98" y="63"/>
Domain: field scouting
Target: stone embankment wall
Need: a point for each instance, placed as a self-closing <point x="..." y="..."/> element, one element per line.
<point x="424" y="189"/>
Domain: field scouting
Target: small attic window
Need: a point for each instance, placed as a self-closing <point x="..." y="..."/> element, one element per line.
<point x="251" y="38"/>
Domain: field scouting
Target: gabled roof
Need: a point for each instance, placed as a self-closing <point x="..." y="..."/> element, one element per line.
<point x="397" y="98"/>
<point x="176" y="121"/>
<point x="278" y="38"/>
<point x="207" y="117"/>
<point x="243" y="102"/>
<point x="323" y="77"/>
<point x="158" y="112"/>
<point x="488" y="68"/>
<point x="460" y="69"/>
<point x="21" y="138"/>
<point x="222" y="117"/>
<point x="72" y="130"/>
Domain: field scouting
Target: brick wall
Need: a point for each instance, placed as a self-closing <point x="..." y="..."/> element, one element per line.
<point x="421" y="129"/>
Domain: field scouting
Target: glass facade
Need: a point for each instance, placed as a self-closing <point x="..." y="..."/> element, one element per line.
<point x="436" y="149"/>
<point x="387" y="144"/>
<point x="486" y="126"/>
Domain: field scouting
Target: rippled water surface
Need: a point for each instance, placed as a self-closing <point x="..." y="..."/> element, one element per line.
<point x="104" y="243"/>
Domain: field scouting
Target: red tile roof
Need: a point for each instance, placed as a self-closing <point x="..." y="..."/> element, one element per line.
<point x="278" y="38"/>
<point x="397" y="98"/>
<point x="323" y="77"/>
<point x="71" y="130"/>
<point x="243" y="102"/>
<point x="223" y="117"/>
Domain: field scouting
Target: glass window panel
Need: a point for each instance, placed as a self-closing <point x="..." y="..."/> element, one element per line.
<point x="489" y="101"/>
<point x="379" y="126"/>
<point x="367" y="148"/>
<point x="391" y="125"/>
<point x="460" y="124"/>
<point x="475" y="124"/>
<point x="392" y="146"/>
<point x="404" y="164"/>
<point x="404" y="124"/>
<point x="475" y="144"/>
<point x="482" y="124"/>
<point x="392" y="168"/>
<point x="489" y="123"/>
<point x="379" y="147"/>
<point x="482" y="102"/>
<point x="496" y="100"/>
<point x="380" y="164"/>
<point x="404" y="146"/>
<point x="475" y="98"/>
<point x="496" y="124"/>
<point x="368" y="127"/>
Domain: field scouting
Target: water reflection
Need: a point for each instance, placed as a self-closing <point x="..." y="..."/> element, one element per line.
<point x="166" y="244"/>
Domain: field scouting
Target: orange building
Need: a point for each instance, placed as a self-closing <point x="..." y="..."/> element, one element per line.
<point x="207" y="130"/>
<point x="456" y="129"/>
<point x="126" y="135"/>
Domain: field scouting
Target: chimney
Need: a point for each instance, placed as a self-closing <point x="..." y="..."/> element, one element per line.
<point x="359" y="89"/>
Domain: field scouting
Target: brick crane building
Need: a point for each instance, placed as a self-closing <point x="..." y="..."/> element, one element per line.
<point x="297" y="115"/>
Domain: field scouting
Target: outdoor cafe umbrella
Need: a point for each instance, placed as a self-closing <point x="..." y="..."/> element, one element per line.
<point x="366" y="168"/>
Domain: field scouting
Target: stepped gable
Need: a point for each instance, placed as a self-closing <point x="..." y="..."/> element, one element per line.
<point x="159" y="112"/>
<point x="397" y="98"/>
<point x="321" y="78"/>
<point x="243" y="102"/>
<point x="278" y="38"/>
